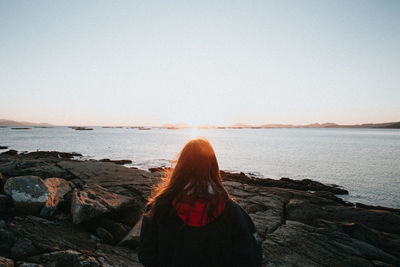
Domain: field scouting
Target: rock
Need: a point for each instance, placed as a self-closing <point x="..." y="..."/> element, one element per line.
<point x="4" y="262"/>
<point x="133" y="237"/>
<point x="29" y="264"/>
<point x="3" y="147"/>
<point x="58" y="188"/>
<point x="2" y="224"/>
<point x="10" y="152"/>
<point x="44" y="168"/>
<point x="65" y="258"/>
<point x="23" y="247"/>
<point x="7" y="241"/>
<point x="120" y="162"/>
<point x="117" y="256"/>
<point x="109" y="175"/>
<point x="28" y="193"/>
<point x="116" y="229"/>
<point x="385" y="241"/>
<point x="160" y="169"/>
<point x="94" y="201"/>
<point x="105" y="236"/>
<point x="305" y="184"/>
<point x="36" y="235"/>
<point x="5" y="203"/>
<point x="297" y="244"/>
<point x="2" y="182"/>
<point x="49" y="154"/>
<point x="310" y="213"/>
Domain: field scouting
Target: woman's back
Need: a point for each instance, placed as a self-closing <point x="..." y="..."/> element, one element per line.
<point x="226" y="241"/>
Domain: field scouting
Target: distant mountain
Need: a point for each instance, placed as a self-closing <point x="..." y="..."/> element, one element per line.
<point x="393" y="125"/>
<point x="4" y="122"/>
<point x="176" y="125"/>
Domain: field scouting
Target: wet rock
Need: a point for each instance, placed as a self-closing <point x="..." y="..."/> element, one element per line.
<point x="58" y="188"/>
<point x="5" y="262"/>
<point x="94" y="201"/>
<point x="65" y="258"/>
<point x="119" y="162"/>
<point x="105" y="236"/>
<point x="297" y="244"/>
<point x="28" y="193"/>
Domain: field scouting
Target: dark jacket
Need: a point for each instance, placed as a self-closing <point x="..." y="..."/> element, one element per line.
<point x="228" y="240"/>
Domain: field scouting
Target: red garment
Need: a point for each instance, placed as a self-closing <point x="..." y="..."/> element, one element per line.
<point x="191" y="215"/>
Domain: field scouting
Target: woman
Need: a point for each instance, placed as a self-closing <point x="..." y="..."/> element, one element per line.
<point x="191" y="220"/>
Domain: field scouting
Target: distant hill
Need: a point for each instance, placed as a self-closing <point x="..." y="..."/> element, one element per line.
<point x="4" y="122"/>
<point x="176" y="125"/>
<point x="392" y="125"/>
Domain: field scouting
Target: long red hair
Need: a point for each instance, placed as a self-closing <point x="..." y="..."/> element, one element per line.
<point x="196" y="170"/>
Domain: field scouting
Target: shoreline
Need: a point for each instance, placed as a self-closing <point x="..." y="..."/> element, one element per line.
<point x="299" y="222"/>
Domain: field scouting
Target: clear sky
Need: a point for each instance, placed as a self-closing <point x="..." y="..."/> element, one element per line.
<point x="199" y="62"/>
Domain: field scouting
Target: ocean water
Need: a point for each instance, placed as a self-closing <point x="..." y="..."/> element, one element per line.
<point x="366" y="162"/>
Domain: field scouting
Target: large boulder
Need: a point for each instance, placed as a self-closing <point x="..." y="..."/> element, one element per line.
<point x="58" y="189"/>
<point x="95" y="200"/>
<point x="29" y="193"/>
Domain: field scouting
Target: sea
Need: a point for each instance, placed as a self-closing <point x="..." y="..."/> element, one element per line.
<point x="366" y="162"/>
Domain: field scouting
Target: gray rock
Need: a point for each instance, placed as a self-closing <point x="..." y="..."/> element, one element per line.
<point x="28" y="193"/>
<point x="58" y="188"/>
<point x="94" y="201"/>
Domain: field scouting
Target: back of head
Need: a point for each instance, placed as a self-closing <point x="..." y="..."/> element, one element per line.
<point x="196" y="173"/>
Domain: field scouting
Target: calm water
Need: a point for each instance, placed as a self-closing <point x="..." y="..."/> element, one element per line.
<point x="364" y="161"/>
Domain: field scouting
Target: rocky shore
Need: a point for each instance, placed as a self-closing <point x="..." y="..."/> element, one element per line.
<point x="58" y="211"/>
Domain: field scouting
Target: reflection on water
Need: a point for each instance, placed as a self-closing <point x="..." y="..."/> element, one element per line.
<point x="364" y="161"/>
